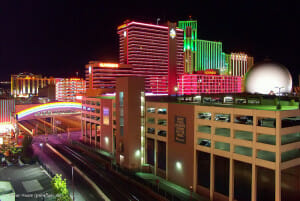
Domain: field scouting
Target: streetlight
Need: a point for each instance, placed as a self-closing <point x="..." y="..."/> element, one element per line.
<point x="191" y="191"/>
<point x="278" y="107"/>
<point x="72" y="165"/>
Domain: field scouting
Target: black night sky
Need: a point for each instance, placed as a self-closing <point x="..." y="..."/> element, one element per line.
<point x="58" y="37"/>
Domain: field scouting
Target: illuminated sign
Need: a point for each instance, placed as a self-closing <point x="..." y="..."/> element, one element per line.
<point x="90" y="69"/>
<point x="122" y="26"/>
<point x="172" y="33"/>
<point x="180" y="126"/>
<point x="109" y="65"/>
<point x="105" y="115"/>
<point x="210" y="72"/>
<point x="125" y="33"/>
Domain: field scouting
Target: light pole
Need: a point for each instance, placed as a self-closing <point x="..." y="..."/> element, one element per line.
<point x="278" y="107"/>
<point x="72" y="165"/>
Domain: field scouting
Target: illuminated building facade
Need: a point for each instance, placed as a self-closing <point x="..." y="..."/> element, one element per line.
<point x="221" y="145"/>
<point x="190" y="44"/>
<point x="240" y="63"/>
<point x="27" y="84"/>
<point x="200" y="55"/>
<point x="98" y="122"/>
<point x="68" y="88"/>
<point x="103" y="75"/>
<point x="208" y="84"/>
<point x="152" y="51"/>
<point x="7" y="109"/>
<point x="209" y="56"/>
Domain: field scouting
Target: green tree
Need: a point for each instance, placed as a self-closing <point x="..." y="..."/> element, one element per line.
<point x="60" y="189"/>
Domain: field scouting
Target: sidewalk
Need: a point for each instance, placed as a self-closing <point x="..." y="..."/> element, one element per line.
<point x="178" y="191"/>
<point x="30" y="182"/>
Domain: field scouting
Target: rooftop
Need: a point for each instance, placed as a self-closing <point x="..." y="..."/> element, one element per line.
<point x="242" y="101"/>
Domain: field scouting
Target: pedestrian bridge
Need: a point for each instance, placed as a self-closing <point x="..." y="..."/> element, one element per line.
<point x="34" y="111"/>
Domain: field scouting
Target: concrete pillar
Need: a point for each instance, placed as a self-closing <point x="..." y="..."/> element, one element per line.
<point x="53" y="125"/>
<point x="96" y="126"/>
<point x="195" y="176"/>
<point x="254" y="168"/>
<point x="231" y="180"/>
<point x="155" y="156"/>
<point x="212" y="177"/>
<point x="254" y="183"/>
<point x="91" y="132"/>
<point x="81" y="128"/>
<point x="278" y="159"/>
<point x="85" y="131"/>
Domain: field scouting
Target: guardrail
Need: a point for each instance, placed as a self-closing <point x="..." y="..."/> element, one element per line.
<point x="86" y="178"/>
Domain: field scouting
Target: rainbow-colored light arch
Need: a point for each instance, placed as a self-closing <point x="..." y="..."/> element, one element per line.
<point x="48" y="106"/>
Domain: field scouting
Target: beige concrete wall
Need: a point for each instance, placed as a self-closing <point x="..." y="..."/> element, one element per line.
<point x="179" y="152"/>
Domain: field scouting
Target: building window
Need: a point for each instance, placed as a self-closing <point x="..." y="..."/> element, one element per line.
<point x="266" y="139"/>
<point x="204" y="142"/>
<point x="222" y="146"/>
<point x="151" y="120"/>
<point x="267" y="122"/>
<point x="162" y="122"/>
<point x="162" y="133"/>
<point x="223" y="132"/>
<point x="204" y="115"/>
<point x="248" y="120"/>
<point x="121" y="97"/>
<point x="151" y="130"/>
<point x="161" y="111"/>
<point x="151" y="110"/>
<point x="222" y="117"/>
<point x="246" y="151"/>
<point x="243" y="135"/>
<point x="204" y="129"/>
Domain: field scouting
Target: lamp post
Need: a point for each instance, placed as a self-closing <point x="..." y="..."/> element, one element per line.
<point x="278" y="107"/>
<point x="191" y="191"/>
<point x="72" y="165"/>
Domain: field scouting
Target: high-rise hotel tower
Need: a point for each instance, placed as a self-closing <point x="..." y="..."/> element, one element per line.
<point x="153" y="51"/>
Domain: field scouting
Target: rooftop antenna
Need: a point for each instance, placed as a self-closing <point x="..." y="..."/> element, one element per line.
<point x="157" y="20"/>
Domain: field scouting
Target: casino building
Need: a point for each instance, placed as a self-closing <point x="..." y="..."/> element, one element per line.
<point x="28" y="84"/>
<point x="220" y="145"/>
<point x="197" y="131"/>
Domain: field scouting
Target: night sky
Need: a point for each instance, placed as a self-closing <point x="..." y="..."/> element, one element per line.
<point x="58" y="37"/>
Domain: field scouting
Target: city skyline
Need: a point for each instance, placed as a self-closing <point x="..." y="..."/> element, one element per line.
<point x="64" y="37"/>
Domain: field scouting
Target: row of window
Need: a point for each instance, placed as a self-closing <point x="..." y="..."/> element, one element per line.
<point x="248" y="136"/>
<point x="247" y="151"/>
<point x="151" y="120"/>
<point x="91" y="102"/>
<point x="248" y="120"/>
<point x="159" y="132"/>
<point x="159" y="110"/>
<point x="90" y="109"/>
<point x="91" y="117"/>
